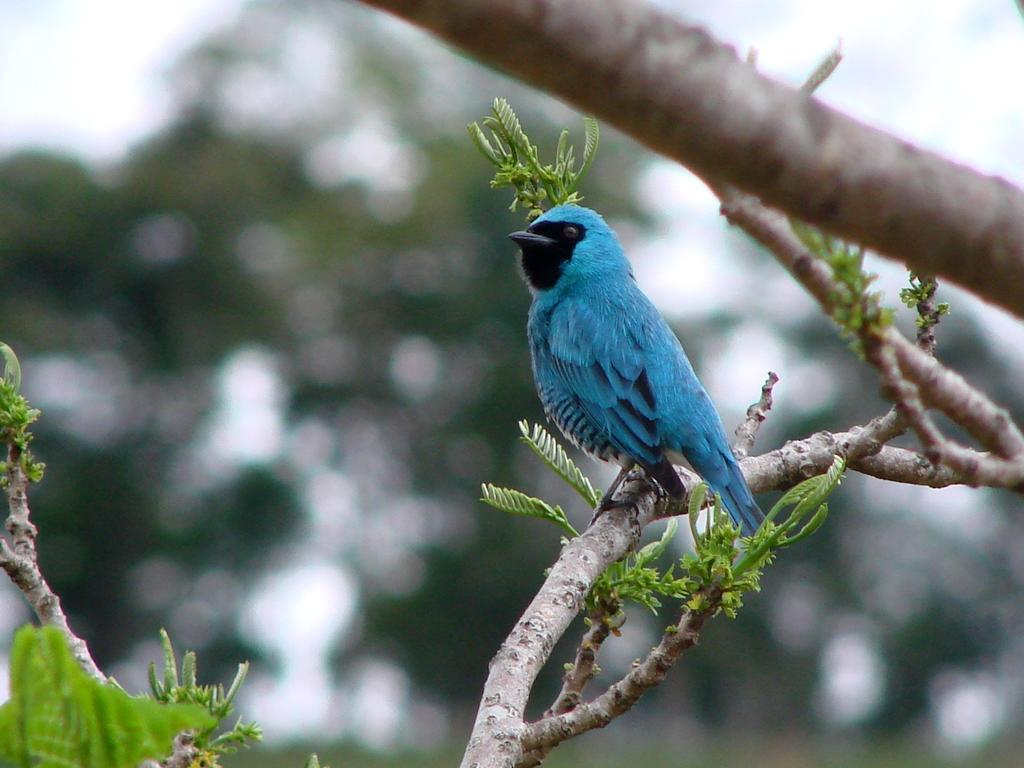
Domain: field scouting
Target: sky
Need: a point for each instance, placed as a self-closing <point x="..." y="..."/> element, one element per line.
<point x="87" y="77"/>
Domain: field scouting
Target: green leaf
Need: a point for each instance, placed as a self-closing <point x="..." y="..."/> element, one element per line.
<point x="12" y="370"/>
<point x="536" y="185"/>
<point x="170" y="664"/>
<point x="236" y="684"/>
<point x="593" y="135"/>
<point x="514" y="132"/>
<point x="563" y="153"/>
<point x="812" y="491"/>
<point x="58" y="716"/>
<point x="188" y="670"/>
<point x="806" y="498"/>
<point x="518" y="503"/>
<point x="697" y="497"/>
<point x="810" y="527"/>
<point x="552" y="453"/>
<point x="656" y="549"/>
<point x="476" y="133"/>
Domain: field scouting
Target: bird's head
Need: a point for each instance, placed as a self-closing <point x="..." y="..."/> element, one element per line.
<point x="567" y="245"/>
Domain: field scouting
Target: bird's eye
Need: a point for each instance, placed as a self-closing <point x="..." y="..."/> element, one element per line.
<point x="570" y="232"/>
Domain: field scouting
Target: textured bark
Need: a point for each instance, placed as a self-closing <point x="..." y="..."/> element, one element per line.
<point x="620" y="697"/>
<point x="20" y="562"/>
<point x="497" y="734"/>
<point x="674" y="88"/>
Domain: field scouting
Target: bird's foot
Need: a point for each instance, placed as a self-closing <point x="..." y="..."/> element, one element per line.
<point x="607" y="504"/>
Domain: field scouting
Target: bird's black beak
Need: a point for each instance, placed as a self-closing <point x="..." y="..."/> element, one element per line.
<point x="531" y="240"/>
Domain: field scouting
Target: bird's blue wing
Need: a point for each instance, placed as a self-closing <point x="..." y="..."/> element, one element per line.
<point x="621" y="374"/>
<point x="598" y="357"/>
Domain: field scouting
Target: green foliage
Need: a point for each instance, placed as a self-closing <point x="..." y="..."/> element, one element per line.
<point x="12" y="369"/>
<point x="809" y="511"/>
<point x="16" y="415"/>
<point x="722" y="561"/>
<point x="635" y="578"/>
<point x="59" y="716"/>
<point x="176" y="688"/>
<point x="518" y="163"/>
<point x="518" y="503"/>
<point x="919" y="295"/>
<point x="855" y="309"/>
<point x="552" y="453"/>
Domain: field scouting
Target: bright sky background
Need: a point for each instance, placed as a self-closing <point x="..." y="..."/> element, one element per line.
<point x="87" y="77"/>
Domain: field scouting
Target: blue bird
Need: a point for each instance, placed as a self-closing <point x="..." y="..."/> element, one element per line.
<point x="609" y="371"/>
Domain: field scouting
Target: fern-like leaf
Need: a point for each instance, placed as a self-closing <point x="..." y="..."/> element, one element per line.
<point x="552" y="453"/>
<point x="518" y="503"/>
<point x="593" y="135"/>
<point x="59" y="716"/>
<point x="482" y="143"/>
<point x="513" y="129"/>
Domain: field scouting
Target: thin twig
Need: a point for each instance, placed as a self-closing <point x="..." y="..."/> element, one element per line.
<point x="939" y="386"/>
<point x="746" y="432"/>
<point x="21" y="563"/>
<point x="584" y="667"/>
<point x="928" y="314"/>
<point x="603" y="621"/>
<point x="621" y="696"/>
<point x="824" y="70"/>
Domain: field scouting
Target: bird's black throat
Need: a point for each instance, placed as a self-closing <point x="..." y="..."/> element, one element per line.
<point x="543" y="261"/>
<point x="542" y="266"/>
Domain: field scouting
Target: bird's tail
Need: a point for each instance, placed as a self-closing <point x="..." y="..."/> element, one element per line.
<point x="726" y="480"/>
<point x="737" y="499"/>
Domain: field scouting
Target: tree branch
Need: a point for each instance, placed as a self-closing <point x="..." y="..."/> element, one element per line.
<point x="22" y="565"/>
<point x="674" y="88"/>
<point x="974" y="467"/>
<point x="746" y="432"/>
<point x="497" y="733"/>
<point x="584" y="666"/>
<point x="621" y="696"/>
<point x="939" y="386"/>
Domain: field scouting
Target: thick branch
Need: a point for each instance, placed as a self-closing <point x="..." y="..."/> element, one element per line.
<point x="497" y="734"/>
<point x="674" y="88"/>
<point x="21" y="563"/>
